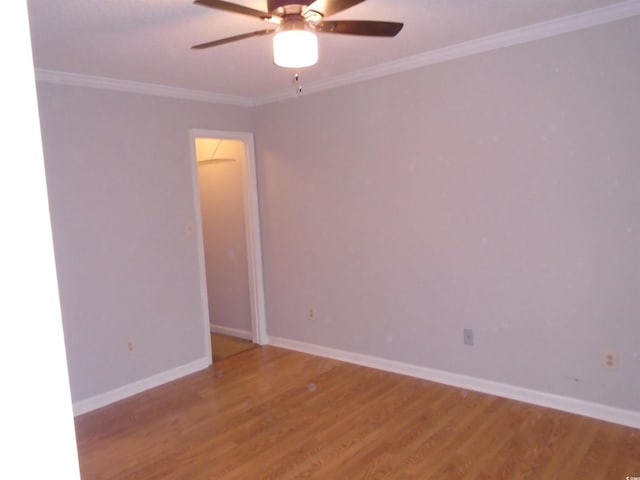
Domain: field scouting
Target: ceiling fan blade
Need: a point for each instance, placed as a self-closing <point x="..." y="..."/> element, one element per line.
<point x="232" y="7"/>
<point x="360" y="27"/>
<point x="222" y="41"/>
<point x="330" y="7"/>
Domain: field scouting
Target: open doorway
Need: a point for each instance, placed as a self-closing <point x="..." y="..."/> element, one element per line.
<point x="228" y="227"/>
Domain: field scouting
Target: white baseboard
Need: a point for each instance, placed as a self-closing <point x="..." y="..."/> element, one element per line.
<point x="120" y="393"/>
<point x="629" y="418"/>
<point x="233" y="332"/>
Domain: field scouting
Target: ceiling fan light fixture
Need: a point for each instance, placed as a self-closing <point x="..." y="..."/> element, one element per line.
<point x="295" y="48"/>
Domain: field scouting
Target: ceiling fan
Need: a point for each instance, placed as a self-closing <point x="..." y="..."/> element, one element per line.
<point x="295" y="22"/>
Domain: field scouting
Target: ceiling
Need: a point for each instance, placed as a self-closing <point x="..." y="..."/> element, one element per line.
<point x="149" y="40"/>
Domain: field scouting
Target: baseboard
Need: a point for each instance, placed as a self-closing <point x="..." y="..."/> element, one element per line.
<point x="629" y="418"/>
<point x="120" y="393"/>
<point x="233" y="332"/>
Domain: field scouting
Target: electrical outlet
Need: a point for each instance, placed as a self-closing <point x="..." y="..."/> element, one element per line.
<point x="467" y="336"/>
<point x="130" y="345"/>
<point x="311" y="313"/>
<point x="610" y="360"/>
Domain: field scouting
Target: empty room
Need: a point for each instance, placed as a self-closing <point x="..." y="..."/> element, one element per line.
<point x="434" y="258"/>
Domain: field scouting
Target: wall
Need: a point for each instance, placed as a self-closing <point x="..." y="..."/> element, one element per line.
<point x="119" y="172"/>
<point x="223" y="225"/>
<point x="497" y="192"/>
<point x="36" y="403"/>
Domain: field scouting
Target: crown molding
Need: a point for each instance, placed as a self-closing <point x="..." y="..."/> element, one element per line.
<point x="517" y="36"/>
<point x="104" y="83"/>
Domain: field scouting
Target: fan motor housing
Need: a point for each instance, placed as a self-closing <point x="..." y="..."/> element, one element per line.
<point x="273" y="5"/>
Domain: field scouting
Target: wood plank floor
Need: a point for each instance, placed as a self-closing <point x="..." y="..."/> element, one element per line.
<point x="269" y="413"/>
<point x="224" y="346"/>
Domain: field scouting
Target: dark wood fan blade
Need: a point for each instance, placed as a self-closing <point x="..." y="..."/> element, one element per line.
<point x="222" y="41"/>
<point x="360" y="27"/>
<point x="232" y="7"/>
<point x="330" y="7"/>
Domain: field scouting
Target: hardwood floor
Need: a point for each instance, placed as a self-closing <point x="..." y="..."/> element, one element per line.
<point x="224" y="346"/>
<point x="269" y="413"/>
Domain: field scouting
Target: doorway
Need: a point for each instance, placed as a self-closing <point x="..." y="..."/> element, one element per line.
<point x="225" y="195"/>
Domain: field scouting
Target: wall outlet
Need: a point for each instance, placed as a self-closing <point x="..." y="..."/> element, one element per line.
<point x="610" y="360"/>
<point x="311" y="314"/>
<point x="130" y="345"/>
<point x="467" y="336"/>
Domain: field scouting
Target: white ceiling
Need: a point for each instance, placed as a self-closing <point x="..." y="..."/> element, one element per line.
<point x="149" y="40"/>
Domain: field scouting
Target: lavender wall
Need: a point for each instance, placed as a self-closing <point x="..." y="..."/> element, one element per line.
<point x="121" y="195"/>
<point x="498" y="192"/>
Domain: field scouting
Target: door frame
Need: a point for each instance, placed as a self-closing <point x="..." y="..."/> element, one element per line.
<point x="252" y="233"/>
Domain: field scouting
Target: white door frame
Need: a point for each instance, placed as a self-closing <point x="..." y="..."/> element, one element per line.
<point x="252" y="229"/>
